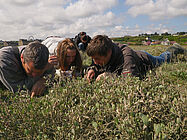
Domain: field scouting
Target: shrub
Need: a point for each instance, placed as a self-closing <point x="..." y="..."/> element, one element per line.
<point x="114" y="108"/>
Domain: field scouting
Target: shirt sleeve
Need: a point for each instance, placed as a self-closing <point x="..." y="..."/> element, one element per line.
<point x="129" y="66"/>
<point x="15" y="80"/>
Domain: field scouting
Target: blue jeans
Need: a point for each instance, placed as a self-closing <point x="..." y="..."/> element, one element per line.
<point x="81" y="46"/>
<point x="158" y="60"/>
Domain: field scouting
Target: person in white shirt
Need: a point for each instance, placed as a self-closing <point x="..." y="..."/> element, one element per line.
<point x="64" y="55"/>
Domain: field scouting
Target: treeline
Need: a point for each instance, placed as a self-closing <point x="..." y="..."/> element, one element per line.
<point x="137" y="40"/>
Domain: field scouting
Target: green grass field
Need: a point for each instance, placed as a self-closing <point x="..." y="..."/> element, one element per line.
<point x="121" y="108"/>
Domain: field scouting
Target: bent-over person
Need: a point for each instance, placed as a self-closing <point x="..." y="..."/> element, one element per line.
<point x="25" y="67"/>
<point x="81" y="41"/>
<point x="110" y="58"/>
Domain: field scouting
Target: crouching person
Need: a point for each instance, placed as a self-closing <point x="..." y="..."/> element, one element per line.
<point x="25" y="67"/>
<point x="82" y="40"/>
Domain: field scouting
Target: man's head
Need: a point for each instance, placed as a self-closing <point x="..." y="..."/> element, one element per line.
<point x="84" y="38"/>
<point x="34" y="58"/>
<point x="82" y="33"/>
<point x="100" y="49"/>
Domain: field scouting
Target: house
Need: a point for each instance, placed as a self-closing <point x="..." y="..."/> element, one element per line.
<point x="155" y="42"/>
<point x="146" y="43"/>
<point x="165" y="42"/>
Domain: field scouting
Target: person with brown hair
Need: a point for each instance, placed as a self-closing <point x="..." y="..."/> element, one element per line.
<point x="112" y="59"/>
<point x="82" y="40"/>
<point x="64" y="56"/>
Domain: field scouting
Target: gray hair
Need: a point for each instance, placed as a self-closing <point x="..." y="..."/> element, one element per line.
<point x="37" y="53"/>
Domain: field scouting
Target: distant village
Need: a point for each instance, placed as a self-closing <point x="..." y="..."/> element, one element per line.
<point x="148" y="41"/>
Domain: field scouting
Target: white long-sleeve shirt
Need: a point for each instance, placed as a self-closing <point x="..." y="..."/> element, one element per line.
<point x="51" y="43"/>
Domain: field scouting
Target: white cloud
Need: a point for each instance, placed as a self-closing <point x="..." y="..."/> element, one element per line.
<point x="159" y="29"/>
<point x="88" y="7"/>
<point x="136" y="2"/>
<point x="41" y="18"/>
<point x="158" y="9"/>
<point x="137" y="29"/>
<point x="19" y="2"/>
<point x="22" y="18"/>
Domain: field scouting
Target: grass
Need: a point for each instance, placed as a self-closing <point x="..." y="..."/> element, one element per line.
<point x="120" y="108"/>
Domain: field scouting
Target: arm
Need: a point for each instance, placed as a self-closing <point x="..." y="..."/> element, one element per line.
<point x="53" y="60"/>
<point x="13" y="79"/>
<point x="77" y="40"/>
<point x="40" y="85"/>
<point x="90" y="75"/>
<point x="38" y="88"/>
<point x="130" y="66"/>
<point x="93" y="72"/>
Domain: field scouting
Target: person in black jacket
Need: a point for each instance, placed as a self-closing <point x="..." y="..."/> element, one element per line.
<point x="119" y="59"/>
<point x="82" y="40"/>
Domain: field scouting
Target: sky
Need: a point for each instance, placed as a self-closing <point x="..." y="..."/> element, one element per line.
<point x="24" y="19"/>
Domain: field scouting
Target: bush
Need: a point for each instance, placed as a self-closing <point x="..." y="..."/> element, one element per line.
<point x="119" y="108"/>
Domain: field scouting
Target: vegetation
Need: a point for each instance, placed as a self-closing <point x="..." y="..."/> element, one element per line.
<point x="120" y="108"/>
<point x="137" y="40"/>
<point x="179" y="37"/>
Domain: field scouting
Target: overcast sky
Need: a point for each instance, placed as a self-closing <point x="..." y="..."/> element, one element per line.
<point x="66" y="18"/>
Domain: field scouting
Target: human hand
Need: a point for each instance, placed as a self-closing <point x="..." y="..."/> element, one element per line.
<point x="90" y="75"/>
<point x="38" y="88"/>
<point x="103" y="75"/>
<point x="53" y="60"/>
